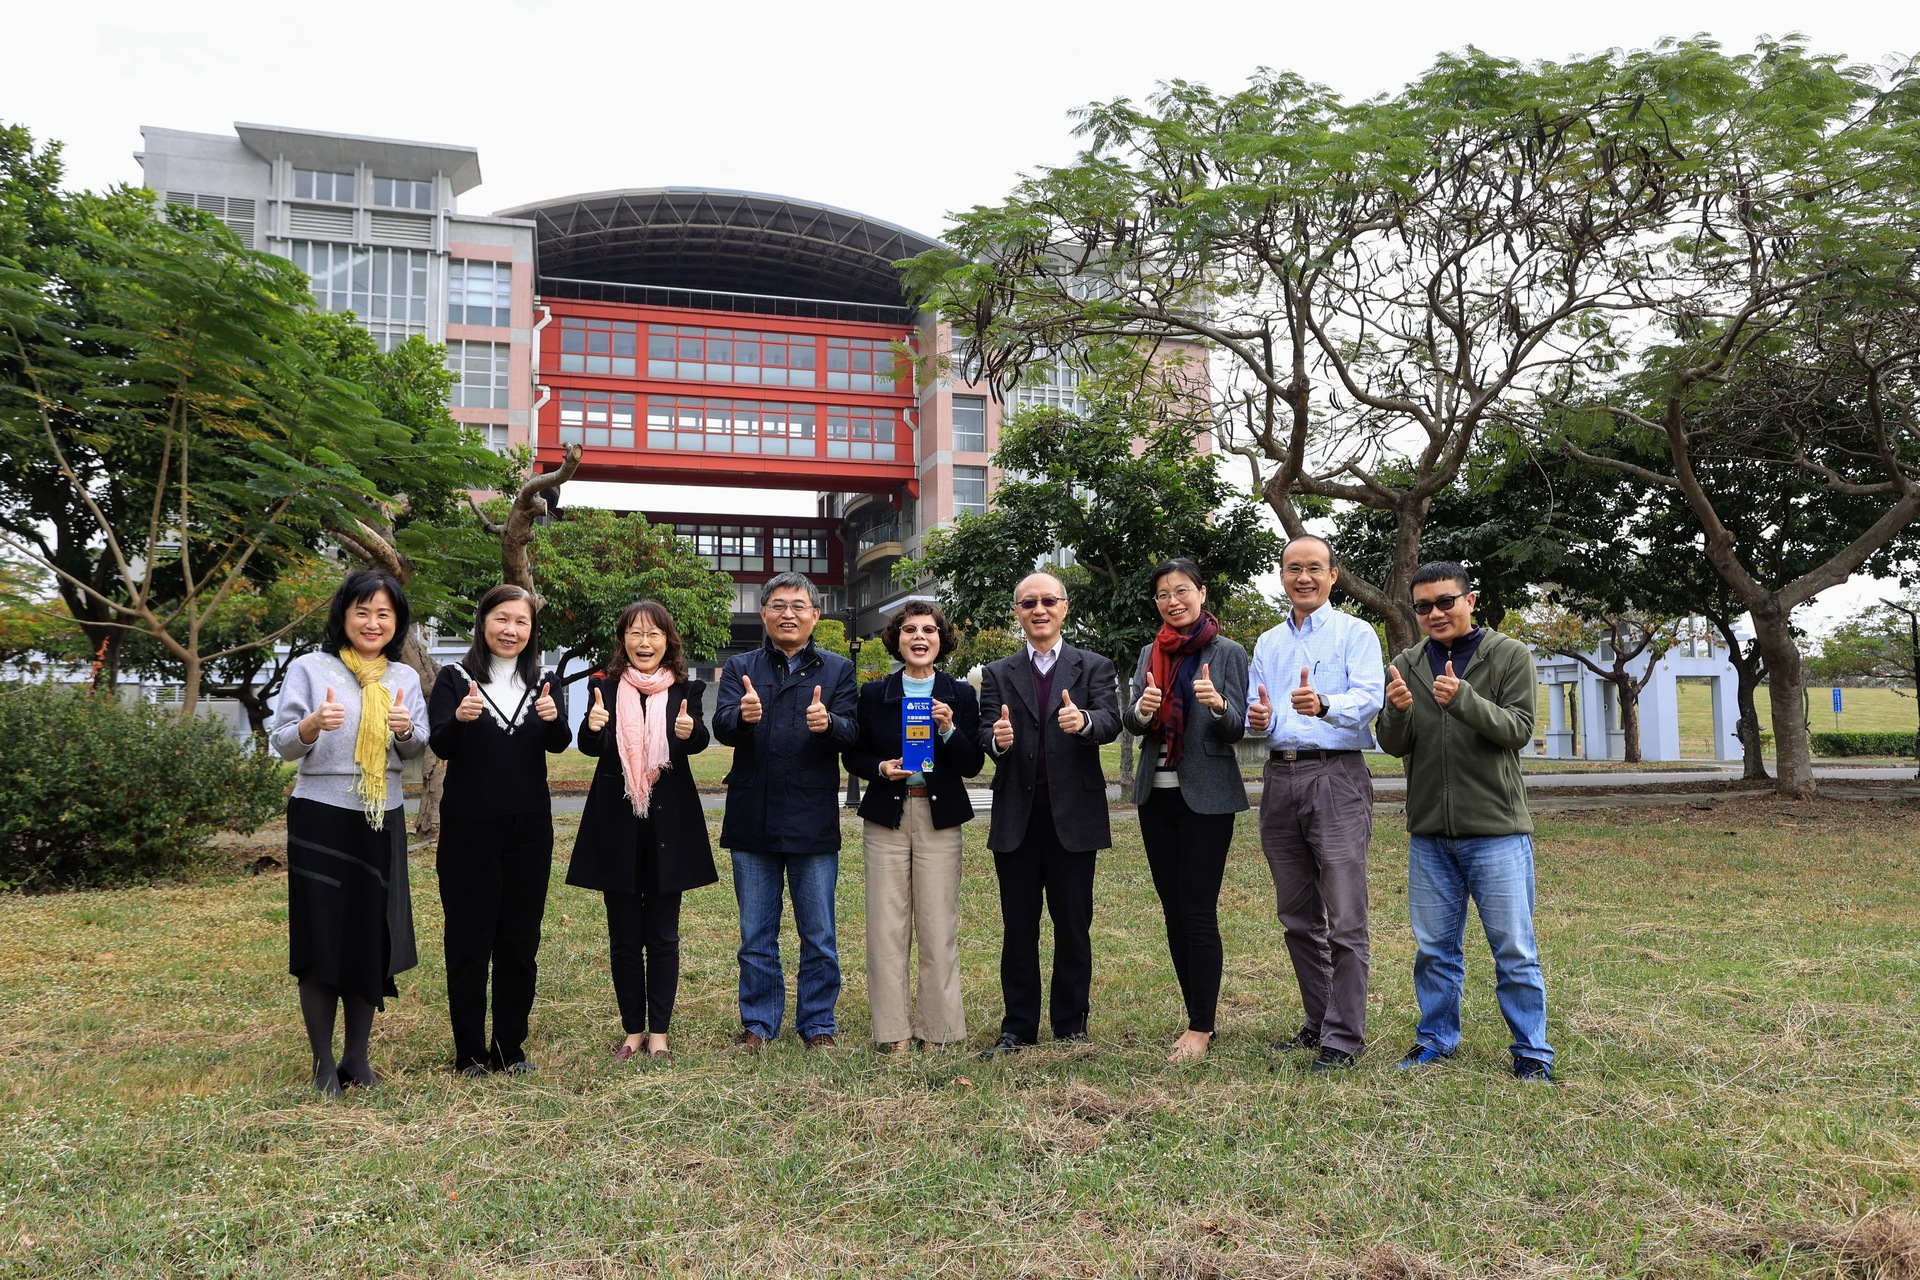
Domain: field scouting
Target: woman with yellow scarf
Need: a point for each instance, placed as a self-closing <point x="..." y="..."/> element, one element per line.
<point x="349" y="715"/>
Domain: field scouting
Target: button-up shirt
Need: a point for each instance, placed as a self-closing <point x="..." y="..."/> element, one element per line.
<point x="1342" y="654"/>
<point x="1043" y="662"/>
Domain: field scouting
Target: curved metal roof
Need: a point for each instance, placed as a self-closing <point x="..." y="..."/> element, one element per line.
<point x="722" y="241"/>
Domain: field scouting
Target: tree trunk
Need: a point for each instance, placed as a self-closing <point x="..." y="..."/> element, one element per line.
<point x="190" y="695"/>
<point x="1126" y="739"/>
<point x="1629" y="720"/>
<point x="1786" y="678"/>
<point x="433" y="770"/>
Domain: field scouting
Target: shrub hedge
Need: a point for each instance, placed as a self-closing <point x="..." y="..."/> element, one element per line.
<point x="97" y="792"/>
<point x="1862" y="744"/>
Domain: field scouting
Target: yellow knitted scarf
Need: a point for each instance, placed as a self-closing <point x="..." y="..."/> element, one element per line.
<point x="370" y="741"/>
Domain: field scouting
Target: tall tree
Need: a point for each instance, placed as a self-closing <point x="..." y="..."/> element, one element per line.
<point x="1121" y="490"/>
<point x="1607" y="641"/>
<point x="1377" y="279"/>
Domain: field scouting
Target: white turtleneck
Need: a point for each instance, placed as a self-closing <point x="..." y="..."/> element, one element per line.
<point x="504" y="685"/>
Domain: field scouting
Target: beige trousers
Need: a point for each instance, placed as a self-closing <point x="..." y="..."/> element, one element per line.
<point x="913" y="887"/>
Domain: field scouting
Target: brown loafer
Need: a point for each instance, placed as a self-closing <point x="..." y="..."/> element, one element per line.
<point x="748" y="1042"/>
<point x="623" y="1051"/>
<point x="892" y="1048"/>
<point x="824" y="1040"/>
<point x="661" y="1055"/>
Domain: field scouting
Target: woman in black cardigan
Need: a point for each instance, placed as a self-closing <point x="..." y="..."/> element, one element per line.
<point x="493" y="719"/>
<point x="643" y="835"/>
<point x="912" y="834"/>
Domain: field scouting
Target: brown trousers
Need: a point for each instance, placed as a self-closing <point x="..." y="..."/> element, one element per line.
<point x="913" y="887"/>
<point x="1316" y="817"/>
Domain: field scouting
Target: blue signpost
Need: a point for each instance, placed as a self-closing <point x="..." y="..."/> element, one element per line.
<point x="1836" y="708"/>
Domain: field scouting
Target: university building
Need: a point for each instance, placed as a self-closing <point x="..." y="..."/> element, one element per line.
<point x="681" y="336"/>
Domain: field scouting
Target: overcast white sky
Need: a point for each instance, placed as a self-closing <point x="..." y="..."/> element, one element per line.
<point x="900" y="111"/>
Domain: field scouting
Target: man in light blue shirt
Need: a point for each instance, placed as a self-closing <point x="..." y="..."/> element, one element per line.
<point x="1319" y="681"/>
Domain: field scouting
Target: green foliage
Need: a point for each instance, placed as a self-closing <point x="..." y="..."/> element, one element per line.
<point x="1122" y="489"/>
<point x="591" y="564"/>
<point x="94" y="792"/>
<point x="830" y="634"/>
<point x="1828" y="743"/>
<point x="1876" y="646"/>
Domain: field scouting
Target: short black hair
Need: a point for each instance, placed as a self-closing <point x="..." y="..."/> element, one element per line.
<point x="1176" y="564"/>
<point x="1442" y="571"/>
<point x="1333" y="557"/>
<point x="363" y="585"/>
<point x="890" y="637"/>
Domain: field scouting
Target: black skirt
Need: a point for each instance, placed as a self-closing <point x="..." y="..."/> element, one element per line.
<point x="349" y="909"/>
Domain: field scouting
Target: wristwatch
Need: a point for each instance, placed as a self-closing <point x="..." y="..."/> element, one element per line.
<point x="1325" y="706"/>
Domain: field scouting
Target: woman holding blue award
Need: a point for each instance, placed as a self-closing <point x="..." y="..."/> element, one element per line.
<point x="919" y="742"/>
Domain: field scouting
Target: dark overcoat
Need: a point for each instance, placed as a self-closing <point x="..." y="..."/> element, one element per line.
<point x="956" y="757"/>
<point x="606" y="852"/>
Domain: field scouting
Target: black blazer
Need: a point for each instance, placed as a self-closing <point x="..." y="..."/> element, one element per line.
<point x="1076" y="784"/>
<point x="606" y="852"/>
<point x="955" y="758"/>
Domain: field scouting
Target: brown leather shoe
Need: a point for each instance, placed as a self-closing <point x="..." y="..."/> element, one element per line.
<point x="892" y="1048"/>
<point x="824" y="1040"/>
<point x="748" y="1042"/>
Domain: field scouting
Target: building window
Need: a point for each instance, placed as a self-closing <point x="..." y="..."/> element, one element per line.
<point x="479" y="292"/>
<point x="596" y="418"/>
<point x="970" y="424"/>
<point x="236" y="211"/>
<point x="727" y="546"/>
<point x="482" y="370"/>
<point x="1056" y="386"/>
<point x="799" y="550"/>
<point x="315" y="184"/>
<point x="693" y="354"/>
<point x="859" y="364"/>
<point x="402" y="193"/>
<point x="385" y="288"/>
<point x="856" y="431"/>
<point x="689" y="424"/>
<point x="492" y="434"/>
<point x="969" y="491"/>
<point x="592" y="345"/>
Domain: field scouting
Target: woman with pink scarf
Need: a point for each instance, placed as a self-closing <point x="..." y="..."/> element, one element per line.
<point x="643" y="836"/>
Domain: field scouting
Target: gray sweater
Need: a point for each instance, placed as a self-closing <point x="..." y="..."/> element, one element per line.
<point x="327" y="771"/>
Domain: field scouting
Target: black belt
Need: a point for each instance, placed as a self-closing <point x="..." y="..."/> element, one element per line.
<point x="1287" y="755"/>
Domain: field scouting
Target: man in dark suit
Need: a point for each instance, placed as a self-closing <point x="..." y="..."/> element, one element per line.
<point x="1052" y="706"/>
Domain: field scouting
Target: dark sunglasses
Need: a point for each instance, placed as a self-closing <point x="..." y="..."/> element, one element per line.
<point x="1040" y="602"/>
<point x="1442" y="603"/>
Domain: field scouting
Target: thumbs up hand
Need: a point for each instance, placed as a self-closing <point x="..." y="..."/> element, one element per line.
<point x="1260" y="713"/>
<point x="597" y="715"/>
<point x="544" y="706"/>
<point x="399" y="719"/>
<point x="1445" y="686"/>
<point x="1397" y="691"/>
<point x="1150" y="698"/>
<point x="328" y="715"/>
<point x="749" y="702"/>
<point x="1305" y="701"/>
<point x="683" y="723"/>
<point x="470" y="706"/>
<point x="1070" y="718"/>
<point x="1204" y="692"/>
<point x="1003" y="729"/>
<point x="819" y="719"/>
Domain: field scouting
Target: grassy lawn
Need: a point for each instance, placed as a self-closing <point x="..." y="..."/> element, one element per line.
<point x="1734" y="996"/>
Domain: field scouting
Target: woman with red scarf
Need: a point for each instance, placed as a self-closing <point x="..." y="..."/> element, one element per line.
<point x="643" y="836"/>
<point x="1191" y="708"/>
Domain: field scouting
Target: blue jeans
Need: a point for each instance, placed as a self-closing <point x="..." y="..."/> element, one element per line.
<point x="763" y="984"/>
<point x="1497" y="873"/>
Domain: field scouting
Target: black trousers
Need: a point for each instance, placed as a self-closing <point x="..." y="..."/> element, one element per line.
<point x="493" y="890"/>
<point x="644" y="932"/>
<point x="1040" y="870"/>
<point x="1187" y="853"/>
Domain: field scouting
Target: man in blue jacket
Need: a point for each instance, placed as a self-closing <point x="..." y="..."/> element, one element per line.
<point x="787" y="710"/>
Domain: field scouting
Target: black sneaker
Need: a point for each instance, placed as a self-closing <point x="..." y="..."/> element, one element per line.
<point x="1532" y="1071"/>
<point x="1304" y="1038"/>
<point x="1005" y="1046"/>
<point x="1332" y="1059"/>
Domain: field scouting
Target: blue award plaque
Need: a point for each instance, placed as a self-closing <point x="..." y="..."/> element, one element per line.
<point x="916" y="735"/>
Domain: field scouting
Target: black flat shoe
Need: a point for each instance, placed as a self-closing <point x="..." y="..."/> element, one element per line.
<point x="1005" y="1046"/>
<point x="350" y="1081"/>
<point x="326" y="1081"/>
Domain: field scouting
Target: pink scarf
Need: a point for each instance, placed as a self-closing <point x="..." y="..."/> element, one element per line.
<point x="642" y="734"/>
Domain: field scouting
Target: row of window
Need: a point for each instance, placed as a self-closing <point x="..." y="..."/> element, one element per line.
<point x="388" y="287"/>
<point x="747" y="547"/>
<point x="690" y="424"/>
<point x="691" y="353"/>
<point x="343" y="188"/>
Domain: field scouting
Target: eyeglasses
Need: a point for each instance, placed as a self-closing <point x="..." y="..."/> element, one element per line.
<point x="1178" y="593"/>
<point x="646" y="635"/>
<point x="1443" y="603"/>
<point x="1314" y="570"/>
<point x="1040" y="602"/>
<point x="788" y="606"/>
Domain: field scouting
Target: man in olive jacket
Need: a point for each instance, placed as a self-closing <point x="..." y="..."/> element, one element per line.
<point x="1459" y="707"/>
